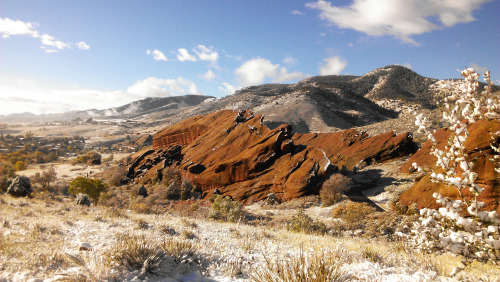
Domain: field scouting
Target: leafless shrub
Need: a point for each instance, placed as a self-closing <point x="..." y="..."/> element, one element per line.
<point x="333" y="189"/>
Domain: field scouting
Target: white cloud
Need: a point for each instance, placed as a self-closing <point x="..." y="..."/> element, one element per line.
<point x="332" y="65"/>
<point x="206" y="53"/>
<point x="157" y="87"/>
<point x="256" y="71"/>
<point x="209" y="75"/>
<point x="50" y="41"/>
<point x="479" y="69"/>
<point x="283" y="75"/>
<point x="157" y="55"/>
<point x="82" y="45"/>
<point x="290" y="61"/>
<point x="297" y="13"/>
<point x="399" y="18"/>
<point x="227" y="88"/>
<point x="10" y="27"/>
<point x="183" y="55"/>
<point x="50" y="44"/>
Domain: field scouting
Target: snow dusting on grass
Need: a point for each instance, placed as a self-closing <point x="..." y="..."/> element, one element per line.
<point x="58" y="240"/>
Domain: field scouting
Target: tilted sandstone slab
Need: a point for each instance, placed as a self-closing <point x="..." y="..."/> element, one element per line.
<point x="236" y="153"/>
<point x="351" y="147"/>
<point x="480" y="153"/>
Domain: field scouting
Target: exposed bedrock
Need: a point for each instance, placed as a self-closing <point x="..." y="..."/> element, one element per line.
<point x="234" y="152"/>
<point x="480" y="153"/>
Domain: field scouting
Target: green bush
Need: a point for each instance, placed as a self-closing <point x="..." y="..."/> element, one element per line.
<point x="225" y="209"/>
<point x="90" y="158"/>
<point x="301" y="222"/>
<point x="91" y="187"/>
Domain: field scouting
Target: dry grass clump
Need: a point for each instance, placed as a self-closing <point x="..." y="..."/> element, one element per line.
<point x="167" y="229"/>
<point x="318" y="266"/>
<point x="352" y="212"/>
<point x="386" y="224"/>
<point x="137" y="253"/>
<point x="148" y="255"/>
<point x="188" y="234"/>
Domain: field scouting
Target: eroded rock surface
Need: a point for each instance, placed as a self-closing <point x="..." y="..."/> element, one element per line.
<point x="234" y="152"/>
<point x="480" y="153"/>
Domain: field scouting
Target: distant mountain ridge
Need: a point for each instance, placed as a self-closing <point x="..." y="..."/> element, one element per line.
<point x="328" y="103"/>
<point x="133" y="110"/>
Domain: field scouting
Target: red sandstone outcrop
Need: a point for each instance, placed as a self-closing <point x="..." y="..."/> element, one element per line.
<point x="236" y="153"/>
<point x="478" y="146"/>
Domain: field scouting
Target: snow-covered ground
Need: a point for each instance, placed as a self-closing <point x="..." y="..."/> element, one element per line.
<point x="40" y="239"/>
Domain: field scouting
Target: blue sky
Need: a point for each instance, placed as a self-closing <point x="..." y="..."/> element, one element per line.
<point x="57" y="56"/>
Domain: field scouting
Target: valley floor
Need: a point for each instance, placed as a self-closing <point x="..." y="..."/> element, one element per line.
<point x="47" y="240"/>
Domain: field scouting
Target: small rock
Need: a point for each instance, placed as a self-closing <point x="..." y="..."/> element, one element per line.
<point x="83" y="246"/>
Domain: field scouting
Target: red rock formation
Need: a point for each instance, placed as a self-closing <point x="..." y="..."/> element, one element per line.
<point x="181" y="133"/>
<point x="236" y="153"/>
<point x="350" y="147"/>
<point x="478" y="146"/>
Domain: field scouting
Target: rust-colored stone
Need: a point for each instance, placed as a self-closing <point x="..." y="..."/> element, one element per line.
<point x="246" y="160"/>
<point x="349" y="147"/>
<point x="480" y="152"/>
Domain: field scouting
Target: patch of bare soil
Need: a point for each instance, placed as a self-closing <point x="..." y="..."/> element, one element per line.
<point x="67" y="172"/>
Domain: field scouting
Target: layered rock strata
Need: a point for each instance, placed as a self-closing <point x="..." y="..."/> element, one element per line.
<point x="234" y="152"/>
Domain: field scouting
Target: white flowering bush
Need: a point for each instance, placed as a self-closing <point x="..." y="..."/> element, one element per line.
<point x="461" y="226"/>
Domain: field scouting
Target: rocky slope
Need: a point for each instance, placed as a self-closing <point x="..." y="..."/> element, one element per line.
<point x="329" y="103"/>
<point x="243" y="158"/>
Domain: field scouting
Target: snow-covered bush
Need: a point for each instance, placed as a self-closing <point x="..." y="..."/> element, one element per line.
<point x="476" y="235"/>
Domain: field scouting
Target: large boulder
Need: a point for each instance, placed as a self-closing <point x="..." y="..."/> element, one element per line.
<point x="20" y="187"/>
<point x="247" y="160"/>
<point x="480" y="153"/>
